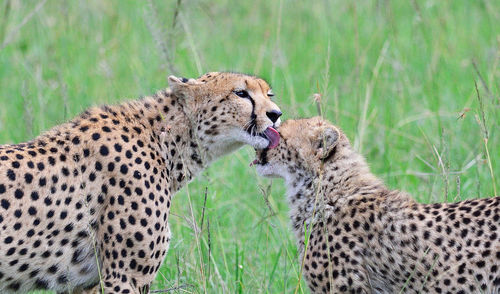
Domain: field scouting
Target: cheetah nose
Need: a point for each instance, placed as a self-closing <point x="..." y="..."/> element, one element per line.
<point x="274" y="115"/>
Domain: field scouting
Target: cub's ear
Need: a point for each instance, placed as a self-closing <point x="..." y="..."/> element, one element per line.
<point x="327" y="140"/>
<point x="182" y="87"/>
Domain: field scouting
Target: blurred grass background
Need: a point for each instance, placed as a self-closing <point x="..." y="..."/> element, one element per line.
<point x="398" y="76"/>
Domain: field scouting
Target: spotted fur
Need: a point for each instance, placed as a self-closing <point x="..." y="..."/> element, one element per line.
<point x="366" y="238"/>
<point x="92" y="196"/>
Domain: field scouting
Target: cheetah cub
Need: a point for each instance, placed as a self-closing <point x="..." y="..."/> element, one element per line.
<point x="363" y="237"/>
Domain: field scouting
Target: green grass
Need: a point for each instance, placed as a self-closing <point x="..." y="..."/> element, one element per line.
<point x="395" y="75"/>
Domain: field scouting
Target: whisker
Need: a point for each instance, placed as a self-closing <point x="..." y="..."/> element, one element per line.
<point x="247" y="125"/>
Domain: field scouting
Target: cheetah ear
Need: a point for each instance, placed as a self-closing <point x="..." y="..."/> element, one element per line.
<point x="327" y="141"/>
<point x="182" y="87"/>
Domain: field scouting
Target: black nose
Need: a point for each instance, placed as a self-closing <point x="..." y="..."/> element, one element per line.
<point x="274" y="115"/>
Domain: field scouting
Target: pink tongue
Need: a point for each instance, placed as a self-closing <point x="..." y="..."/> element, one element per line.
<point x="254" y="162"/>
<point x="273" y="136"/>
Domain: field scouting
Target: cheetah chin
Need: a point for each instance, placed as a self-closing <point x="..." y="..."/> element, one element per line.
<point x="263" y="167"/>
<point x="269" y="139"/>
<point x="267" y="170"/>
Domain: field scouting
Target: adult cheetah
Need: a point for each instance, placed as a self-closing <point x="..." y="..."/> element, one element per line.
<point x="89" y="200"/>
<point x="365" y="238"/>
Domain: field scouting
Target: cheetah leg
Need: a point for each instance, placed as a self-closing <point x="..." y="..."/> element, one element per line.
<point x="335" y="277"/>
<point x="132" y="241"/>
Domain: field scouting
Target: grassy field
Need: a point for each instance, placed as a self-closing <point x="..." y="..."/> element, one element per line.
<point x="398" y="76"/>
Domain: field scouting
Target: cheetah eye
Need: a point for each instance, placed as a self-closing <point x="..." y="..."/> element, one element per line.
<point x="242" y="94"/>
<point x="270" y="94"/>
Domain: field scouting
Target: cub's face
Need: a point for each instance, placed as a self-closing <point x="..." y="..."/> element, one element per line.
<point x="304" y="145"/>
<point x="230" y="110"/>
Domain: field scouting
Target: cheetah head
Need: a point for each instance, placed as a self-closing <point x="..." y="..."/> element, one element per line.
<point x="305" y="145"/>
<point x="229" y="110"/>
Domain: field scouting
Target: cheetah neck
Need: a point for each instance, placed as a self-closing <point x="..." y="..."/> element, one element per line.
<point x="347" y="176"/>
<point x="173" y="132"/>
<point x="340" y="180"/>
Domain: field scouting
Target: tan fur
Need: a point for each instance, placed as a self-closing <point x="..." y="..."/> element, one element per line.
<point x="365" y="238"/>
<point x="99" y="187"/>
